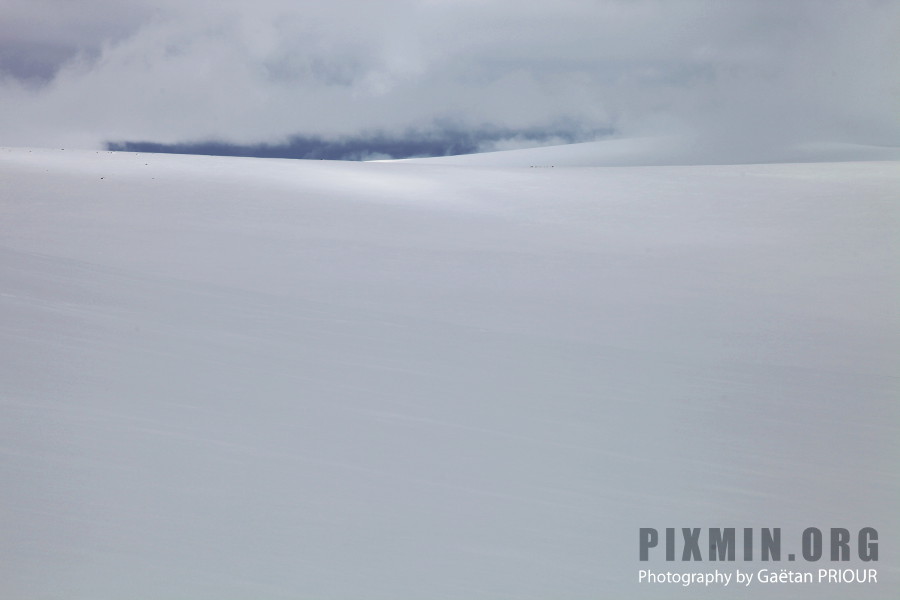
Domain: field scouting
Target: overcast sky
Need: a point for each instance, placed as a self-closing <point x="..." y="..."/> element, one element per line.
<point x="86" y="72"/>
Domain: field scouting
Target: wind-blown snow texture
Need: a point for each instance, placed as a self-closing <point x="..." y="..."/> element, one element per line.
<point x="229" y="378"/>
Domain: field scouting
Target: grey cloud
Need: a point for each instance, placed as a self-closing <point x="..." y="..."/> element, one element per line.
<point x="33" y="63"/>
<point x="38" y="37"/>
<point x="737" y="72"/>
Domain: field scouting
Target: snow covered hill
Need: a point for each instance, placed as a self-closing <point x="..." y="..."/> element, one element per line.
<point x="667" y="151"/>
<point x="229" y="378"/>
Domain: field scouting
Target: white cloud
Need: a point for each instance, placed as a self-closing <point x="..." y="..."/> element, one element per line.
<point x="744" y="72"/>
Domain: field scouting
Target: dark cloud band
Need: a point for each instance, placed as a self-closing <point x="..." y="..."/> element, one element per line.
<point x="413" y="143"/>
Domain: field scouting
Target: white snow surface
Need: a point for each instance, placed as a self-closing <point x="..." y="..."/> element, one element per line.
<point x="230" y="378"/>
<point x="666" y="151"/>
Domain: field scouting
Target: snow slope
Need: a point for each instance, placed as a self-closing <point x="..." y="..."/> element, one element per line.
<point x="228" y="378"/>
<point x="667" y="151"/>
